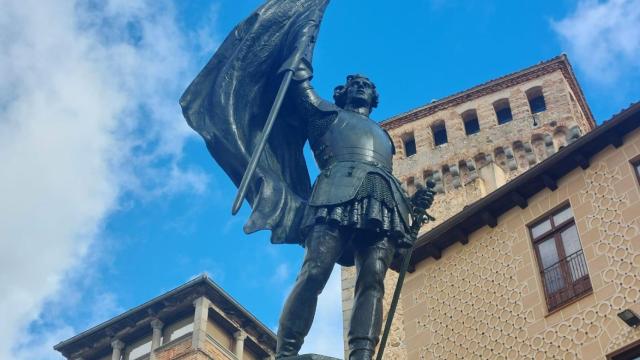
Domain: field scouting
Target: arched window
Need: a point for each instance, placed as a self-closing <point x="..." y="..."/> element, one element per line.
<point x="439" y="133"/>
<point x="536" y="100"/>
<point x="470" y="120"/>
<point x="409" y="142"/>
<point x="503" y="111"/>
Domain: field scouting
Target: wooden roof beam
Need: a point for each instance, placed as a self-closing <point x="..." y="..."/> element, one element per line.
<point x="434" y="251"/>
<point x="582" y="161"/>
<point x="615" y="139"/>
<point x="549" y="182"/>
<point x="519" y="200"/>
<point x="489" y="219"/>
<point x="461" y="236"/>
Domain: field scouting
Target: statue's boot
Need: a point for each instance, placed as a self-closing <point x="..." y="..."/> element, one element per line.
<point x="366" y="317"/>
<point x="323" y="248"/>
<point x="361" y="354"/>
<point x="288" y="343"/>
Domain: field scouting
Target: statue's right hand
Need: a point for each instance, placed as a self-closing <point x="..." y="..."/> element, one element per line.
<point x="423" y="197"/>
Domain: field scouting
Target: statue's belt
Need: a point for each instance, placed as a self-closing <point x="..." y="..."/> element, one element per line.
<point x="369" y="159"/>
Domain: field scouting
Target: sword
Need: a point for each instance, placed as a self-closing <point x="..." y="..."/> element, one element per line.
<point x="420" y="217"/>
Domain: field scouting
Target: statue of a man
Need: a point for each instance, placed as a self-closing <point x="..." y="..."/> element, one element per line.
<point x="356" y="213"/>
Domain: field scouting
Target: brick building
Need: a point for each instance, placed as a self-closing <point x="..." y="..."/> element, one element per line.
<point x="536" y="248"/>
<point x="197" y="320"/>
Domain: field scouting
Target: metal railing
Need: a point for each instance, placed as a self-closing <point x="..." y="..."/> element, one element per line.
<point x="566" y="280"/>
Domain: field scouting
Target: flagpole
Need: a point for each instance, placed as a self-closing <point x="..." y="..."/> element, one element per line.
<point x="255" y="157"/>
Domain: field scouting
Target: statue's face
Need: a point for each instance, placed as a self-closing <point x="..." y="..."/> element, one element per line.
<point x="360" y="92"/>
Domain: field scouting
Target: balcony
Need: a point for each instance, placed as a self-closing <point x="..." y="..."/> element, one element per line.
<point x="566" y="280"/>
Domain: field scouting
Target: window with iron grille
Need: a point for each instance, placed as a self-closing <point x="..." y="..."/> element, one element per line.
<point x="536" y="99"/>
<point x="503" y="111"/>
<point x="471" y="124"/>
<point x="439" y="131"/>
<point x="409" y="146"/>
<point x="563" y="268"/>
<point x="636" y="167"/>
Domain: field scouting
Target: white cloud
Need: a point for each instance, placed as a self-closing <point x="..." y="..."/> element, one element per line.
<point x="88" y="111"/>
<point x="603" y="38"/>
<point x="325" y="337"/>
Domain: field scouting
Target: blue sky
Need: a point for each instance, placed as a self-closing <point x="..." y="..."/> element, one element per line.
<point x="112" y="199"/>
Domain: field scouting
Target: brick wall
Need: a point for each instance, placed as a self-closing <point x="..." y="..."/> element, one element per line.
<point x="176" y="350"/>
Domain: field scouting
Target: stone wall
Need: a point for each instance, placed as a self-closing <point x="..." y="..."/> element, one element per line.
<point x="486" y="299"/>
<point x="469" y="167"/>
<point x="515" y="146"/>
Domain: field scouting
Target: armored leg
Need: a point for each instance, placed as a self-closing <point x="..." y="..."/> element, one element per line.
<point x="372" y="263"/>
<point x="323" y="248"/>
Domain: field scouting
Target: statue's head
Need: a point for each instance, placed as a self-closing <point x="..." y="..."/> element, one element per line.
<point x="358" y="91"/>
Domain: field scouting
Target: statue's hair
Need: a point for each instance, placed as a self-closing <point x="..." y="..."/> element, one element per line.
<point x="340" y="92"/>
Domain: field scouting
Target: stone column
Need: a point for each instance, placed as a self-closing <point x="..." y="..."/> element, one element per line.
<point x="117" y="347"/>
<point x="200" y="319"/>
<point x="156" y="325"/>
<point x="239" y="335"/>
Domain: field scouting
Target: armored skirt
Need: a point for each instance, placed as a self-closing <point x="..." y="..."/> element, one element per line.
<point x="373" y="209"/>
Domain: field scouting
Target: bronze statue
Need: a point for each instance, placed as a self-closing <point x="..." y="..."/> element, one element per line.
<point x="356" y="213"/>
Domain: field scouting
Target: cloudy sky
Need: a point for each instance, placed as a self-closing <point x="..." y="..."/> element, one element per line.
<point x="108" y="199"/>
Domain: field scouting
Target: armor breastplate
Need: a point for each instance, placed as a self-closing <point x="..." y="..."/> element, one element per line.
<point x="354" y="137"/>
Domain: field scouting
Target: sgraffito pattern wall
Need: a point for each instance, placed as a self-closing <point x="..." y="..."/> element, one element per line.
<point x="474" y="304"/>
<point x="485" y="300"/>
<point x="616" y="223"/>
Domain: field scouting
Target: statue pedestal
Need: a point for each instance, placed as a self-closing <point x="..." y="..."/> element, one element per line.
<point x="309" y="357"/>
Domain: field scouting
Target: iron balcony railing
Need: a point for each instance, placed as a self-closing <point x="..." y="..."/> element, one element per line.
<point x="566" y="280"/>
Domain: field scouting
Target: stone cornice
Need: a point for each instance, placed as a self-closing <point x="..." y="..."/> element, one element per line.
<point x="165" y="306"/>
<point x="558" y="63"/>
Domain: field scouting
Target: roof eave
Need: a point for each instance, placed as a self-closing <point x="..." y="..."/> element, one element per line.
<point x="440" y="237"/>
<point x="202" y="279"/>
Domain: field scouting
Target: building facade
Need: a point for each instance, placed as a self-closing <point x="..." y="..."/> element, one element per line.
<point x="197" y="320"/>
<point x="473" y="142"/>
<point x="472" y="145"/>
<point x="552" y="273"/>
